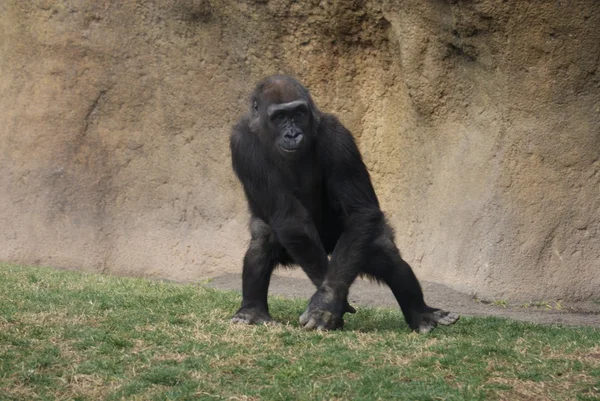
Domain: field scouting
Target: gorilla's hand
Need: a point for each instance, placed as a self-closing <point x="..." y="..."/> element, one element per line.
<point x="325" y="310"/>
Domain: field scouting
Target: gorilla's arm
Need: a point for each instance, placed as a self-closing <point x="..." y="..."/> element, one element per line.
<point x="352" y="196"/>
<point x="272" y="202"/>
<point x="351" y="192"/>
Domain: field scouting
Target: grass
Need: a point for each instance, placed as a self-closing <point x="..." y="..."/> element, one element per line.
<point x="77" y="336"/>
<point x="556" y="305"/>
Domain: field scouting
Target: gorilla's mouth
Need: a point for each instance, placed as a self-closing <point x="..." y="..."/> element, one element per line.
<point x="288" y="150"/>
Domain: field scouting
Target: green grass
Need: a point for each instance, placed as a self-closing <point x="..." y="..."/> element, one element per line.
<point x="76" y="336"/>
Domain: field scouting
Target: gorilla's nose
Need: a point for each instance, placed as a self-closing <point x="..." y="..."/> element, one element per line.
<point x="292" y="134"/>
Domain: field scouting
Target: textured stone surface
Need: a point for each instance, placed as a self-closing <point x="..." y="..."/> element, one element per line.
<point x="479" y="120"/>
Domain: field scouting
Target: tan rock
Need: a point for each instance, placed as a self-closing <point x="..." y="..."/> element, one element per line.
<point x="479" y="121"/>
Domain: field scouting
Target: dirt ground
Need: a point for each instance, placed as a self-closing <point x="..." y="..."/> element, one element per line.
<point x="290" y="283"/>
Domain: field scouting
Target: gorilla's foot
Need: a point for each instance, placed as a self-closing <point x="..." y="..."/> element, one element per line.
<point x="252" y="316"/>
<point x="428" y="319"/>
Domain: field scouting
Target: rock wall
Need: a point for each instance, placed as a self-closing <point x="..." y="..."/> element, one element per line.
<point x="479" y="121"/>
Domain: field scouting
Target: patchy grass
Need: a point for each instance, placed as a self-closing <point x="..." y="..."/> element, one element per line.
<point x="556" y="305"/>
<point x="69" y="335"/>
<point x="500" y="302"/>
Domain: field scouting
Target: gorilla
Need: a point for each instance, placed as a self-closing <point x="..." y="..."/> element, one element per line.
<point x="312" y="204"/>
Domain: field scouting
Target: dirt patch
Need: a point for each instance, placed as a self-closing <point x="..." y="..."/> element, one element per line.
<point x="363" y="292"/>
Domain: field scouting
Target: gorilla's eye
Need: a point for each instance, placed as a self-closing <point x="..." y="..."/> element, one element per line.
<point x="278" y="117"/>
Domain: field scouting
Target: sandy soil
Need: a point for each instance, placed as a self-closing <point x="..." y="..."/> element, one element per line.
<point x="290" y="284"/>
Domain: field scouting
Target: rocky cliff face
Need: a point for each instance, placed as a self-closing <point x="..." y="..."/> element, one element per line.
<point x="479" y="121"/>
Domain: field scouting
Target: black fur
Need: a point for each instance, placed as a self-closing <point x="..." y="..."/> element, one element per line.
<point x="310" y="196"/>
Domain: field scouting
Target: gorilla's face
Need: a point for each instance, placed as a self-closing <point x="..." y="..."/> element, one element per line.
<point x="283" y="116"/>
<point x="290" y="124"/>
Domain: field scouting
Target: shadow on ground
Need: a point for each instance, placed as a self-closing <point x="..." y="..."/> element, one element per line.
<point x="366" y="293"/>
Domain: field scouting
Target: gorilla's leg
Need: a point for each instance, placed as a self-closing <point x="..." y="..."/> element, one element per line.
<point x="261" y="257"/>
<point x="386" y="264"/>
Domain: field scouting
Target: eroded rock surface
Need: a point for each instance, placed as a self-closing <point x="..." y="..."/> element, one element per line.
<point x="479" y="120"/>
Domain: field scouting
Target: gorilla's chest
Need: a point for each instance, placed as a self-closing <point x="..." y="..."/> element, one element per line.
<point x="308" y="190"/>
<point x="306" y="185"/>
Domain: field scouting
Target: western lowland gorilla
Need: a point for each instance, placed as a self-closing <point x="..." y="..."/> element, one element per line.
<point x="310" y="196"/>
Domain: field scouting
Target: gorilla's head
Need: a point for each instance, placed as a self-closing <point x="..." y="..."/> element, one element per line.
<point x="283" y="115"/>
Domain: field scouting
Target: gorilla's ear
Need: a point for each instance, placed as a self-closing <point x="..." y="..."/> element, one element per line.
<point x="254" y="115"/>
<point x="316" y="114"/>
